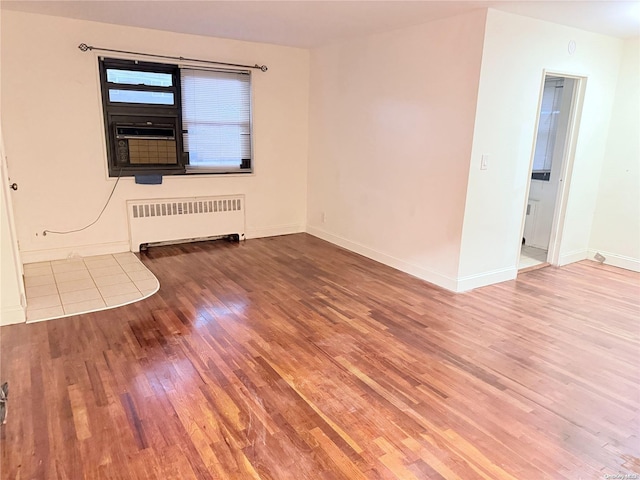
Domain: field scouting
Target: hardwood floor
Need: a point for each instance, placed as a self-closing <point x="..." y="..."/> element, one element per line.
<point x="289" y="358"/>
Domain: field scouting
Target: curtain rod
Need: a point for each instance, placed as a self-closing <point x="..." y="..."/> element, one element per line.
<point x="84" y="47"/>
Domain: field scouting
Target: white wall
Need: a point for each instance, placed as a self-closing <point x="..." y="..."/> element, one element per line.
<point x="391" y="124"/>
<point x="54" y="136"/>
<point x="616" y="224"/>
<point x="516" y="51"/>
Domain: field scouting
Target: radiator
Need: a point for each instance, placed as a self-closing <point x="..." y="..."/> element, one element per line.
<point x="176" y="219"/>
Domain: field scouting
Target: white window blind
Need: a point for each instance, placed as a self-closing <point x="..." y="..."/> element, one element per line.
<point x="548" y="124"/>
<point x="216" y="116"/>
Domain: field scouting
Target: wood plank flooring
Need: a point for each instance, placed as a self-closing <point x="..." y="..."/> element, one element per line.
<point x="289" y="358"/>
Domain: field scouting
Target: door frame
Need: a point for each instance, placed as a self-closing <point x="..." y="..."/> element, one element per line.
<point x="568" y="158"/>
<point x="7" y="204"/>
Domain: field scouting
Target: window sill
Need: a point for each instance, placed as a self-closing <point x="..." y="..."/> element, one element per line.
<point x="216" y="171"/>
<point x="189" y="172"/>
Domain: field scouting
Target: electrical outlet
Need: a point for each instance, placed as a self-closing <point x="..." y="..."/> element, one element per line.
<point x="484" y="162"/>
<point x="323" y="217"/>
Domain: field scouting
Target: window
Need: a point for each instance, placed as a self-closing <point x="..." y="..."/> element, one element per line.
<point x="163" y="119"/>
<point x="216" y="119"/>
<point x="547" y="128"/>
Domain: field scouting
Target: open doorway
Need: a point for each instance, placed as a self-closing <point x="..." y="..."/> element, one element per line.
<point x="549" y="170"/>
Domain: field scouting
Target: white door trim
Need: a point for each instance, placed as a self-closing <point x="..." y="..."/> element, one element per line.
<point x="557" y="229"/>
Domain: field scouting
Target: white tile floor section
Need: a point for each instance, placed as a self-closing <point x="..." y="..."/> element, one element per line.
<point x="81" y="285"/>
<point x="531" y="256"/>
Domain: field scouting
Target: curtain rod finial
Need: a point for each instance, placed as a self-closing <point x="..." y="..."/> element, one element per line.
<point x="84" y="47"/>
<point x="263" y="67"/>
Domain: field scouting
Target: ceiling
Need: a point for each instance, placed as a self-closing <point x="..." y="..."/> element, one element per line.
<point x="308" y="23"/>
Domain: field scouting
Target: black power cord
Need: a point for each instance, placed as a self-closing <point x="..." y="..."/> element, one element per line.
<point x="45" y="232"/>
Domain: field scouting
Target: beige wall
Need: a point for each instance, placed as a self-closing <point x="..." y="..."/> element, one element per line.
<point x="516" y="52"/>
<point x="54" y="134"/>
<point x="616" y="224"/>
<point x="391" y="125"/>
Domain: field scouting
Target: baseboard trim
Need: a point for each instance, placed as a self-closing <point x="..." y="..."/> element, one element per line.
<point x="615" y="260"/>
<point x="415" y="270"/>
<point x="572" y="257"/>
<point x="274" y="231"/>
<point x="31" y="256"/>
<point x="45" y="255"/>
<point x="486" y="278"/>
<point x="12" y="315"/>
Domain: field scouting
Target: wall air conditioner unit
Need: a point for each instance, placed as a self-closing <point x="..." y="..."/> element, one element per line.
<point x="180" y="219"/>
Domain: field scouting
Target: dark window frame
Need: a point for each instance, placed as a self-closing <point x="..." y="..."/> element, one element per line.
<point x="141" y="114"/>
